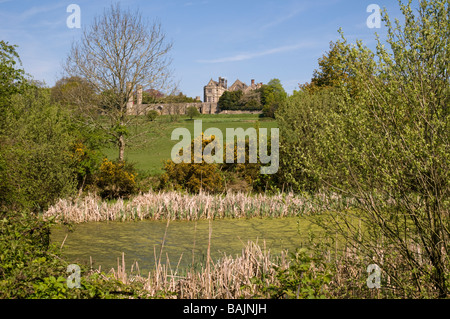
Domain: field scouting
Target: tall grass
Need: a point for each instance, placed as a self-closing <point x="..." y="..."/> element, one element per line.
<point x="177" y="206"/>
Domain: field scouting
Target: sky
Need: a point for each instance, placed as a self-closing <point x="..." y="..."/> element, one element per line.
<point x="243" y="40"/>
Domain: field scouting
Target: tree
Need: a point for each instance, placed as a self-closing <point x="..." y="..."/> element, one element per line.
<point x="36" y="160"/>
<point x="12" y="79"/>
<point x="73" y="91"/>
<point x="192" y="112"/>
<point x="272" y="96"/>
<point x="230" y="100"/>
<point x="331" y="73"/>
<point x="385" y="144"/>
<point x="118" y="52"/>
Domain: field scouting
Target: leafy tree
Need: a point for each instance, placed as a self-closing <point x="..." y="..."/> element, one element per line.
<point x="37" y="166"/>
<point x="385" y="144"/>
<point x="73" y="91"/>
<point x="301" y="120"/>
<point x="272" y="96"/>
<point x="230" y="100"/>
<point x="178" y="98"/>
<point x="331" y="72"/>
<point x="192" y="112"/>
<point x="12" y="78"/>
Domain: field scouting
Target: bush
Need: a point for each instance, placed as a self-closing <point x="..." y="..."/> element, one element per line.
<point x="192" y="177"/>
<point x="36" y="167"/>
<point x="152" y="115"/>
<point x="249" y="174"/>
<point x="116" y="180"/>
<point x="305" y="278"/>
<point x="86" y="163"/>
<point x="32" y="268"/>
<point x="26" y="256"/>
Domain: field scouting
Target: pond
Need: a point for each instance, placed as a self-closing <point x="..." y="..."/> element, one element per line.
<point x="186" y="242"/>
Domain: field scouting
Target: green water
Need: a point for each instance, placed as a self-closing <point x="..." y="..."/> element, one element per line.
<point x="104" y="242"/>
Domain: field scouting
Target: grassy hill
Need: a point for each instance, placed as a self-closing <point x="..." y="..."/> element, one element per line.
<point x="149" y="157"/>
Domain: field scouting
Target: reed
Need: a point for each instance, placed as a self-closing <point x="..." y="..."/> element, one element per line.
<point x="229" y="277"/>
<point x="178" y="206"/>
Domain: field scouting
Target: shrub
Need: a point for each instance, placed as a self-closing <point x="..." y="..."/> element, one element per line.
<point x="86" y="162"/>
<point x="152" y="115"/>
<point x="35" y="162"/>
<point x="249" y="174"/>
<point x="193" y="177"/>
<point x="303" y="279"/>
<point x="116" y="180"/>
<point x="26" y="256"/>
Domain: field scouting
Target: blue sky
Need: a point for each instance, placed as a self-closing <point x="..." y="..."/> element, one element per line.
<point x="244" y="39"/>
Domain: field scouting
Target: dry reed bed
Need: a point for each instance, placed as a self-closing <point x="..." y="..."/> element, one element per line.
<point x="178" y="206"/>
<point x="229" y="277"/>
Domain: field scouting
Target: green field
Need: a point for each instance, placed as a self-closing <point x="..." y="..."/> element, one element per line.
<point x="149" y="157"/>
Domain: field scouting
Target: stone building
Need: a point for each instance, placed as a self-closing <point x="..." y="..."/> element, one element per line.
<point x="214" y="89"/>
<point x="212" y="92"/>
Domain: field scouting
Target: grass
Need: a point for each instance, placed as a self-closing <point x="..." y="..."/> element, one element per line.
<point x="149" y="158"/>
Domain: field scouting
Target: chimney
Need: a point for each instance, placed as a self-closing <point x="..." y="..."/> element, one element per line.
<point x="139" y="94"/>
<point x="130" y="97"/>
<point x="253" y="82"/>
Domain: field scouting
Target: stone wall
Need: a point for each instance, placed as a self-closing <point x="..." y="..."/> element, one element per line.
<point x="181" y="108"/>
<point x="172" y="108"/>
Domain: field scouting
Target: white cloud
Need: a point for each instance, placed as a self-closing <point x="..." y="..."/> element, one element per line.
<point x="252" y="55"/>
<point x="189" y="4"/>
<point x="282" y="19"/>
<point x="40" y="10"/>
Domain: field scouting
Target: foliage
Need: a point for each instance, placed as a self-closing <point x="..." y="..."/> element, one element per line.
<point x="192" y="112"/>
<point x="116" y="179"/>
<point x="12" y="79"/>
<point x="86" y="162"/>
<point x="384" y="141"/>
<point x="193" y="177"/>
<point x="301" y="120"/>
<point x="272" y="96"/>
<point x="331" y="72"/>
<point x="230" y="100"/>
<point x="73" y="92"/>
<point x="36" y="166"/>
<point x="301" y="280"/>
<point x="177" y="98"/>
<point x="247" y="176"/>
<point x="239" y="101"/>
<point x="152" y="115"/>
<point x="25" y="256"/>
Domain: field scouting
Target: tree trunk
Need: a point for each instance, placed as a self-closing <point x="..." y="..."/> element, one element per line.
<point x="121" y="148"/>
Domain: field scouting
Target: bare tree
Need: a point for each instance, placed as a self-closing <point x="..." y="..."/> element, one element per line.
<point x="117" y="53"/>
